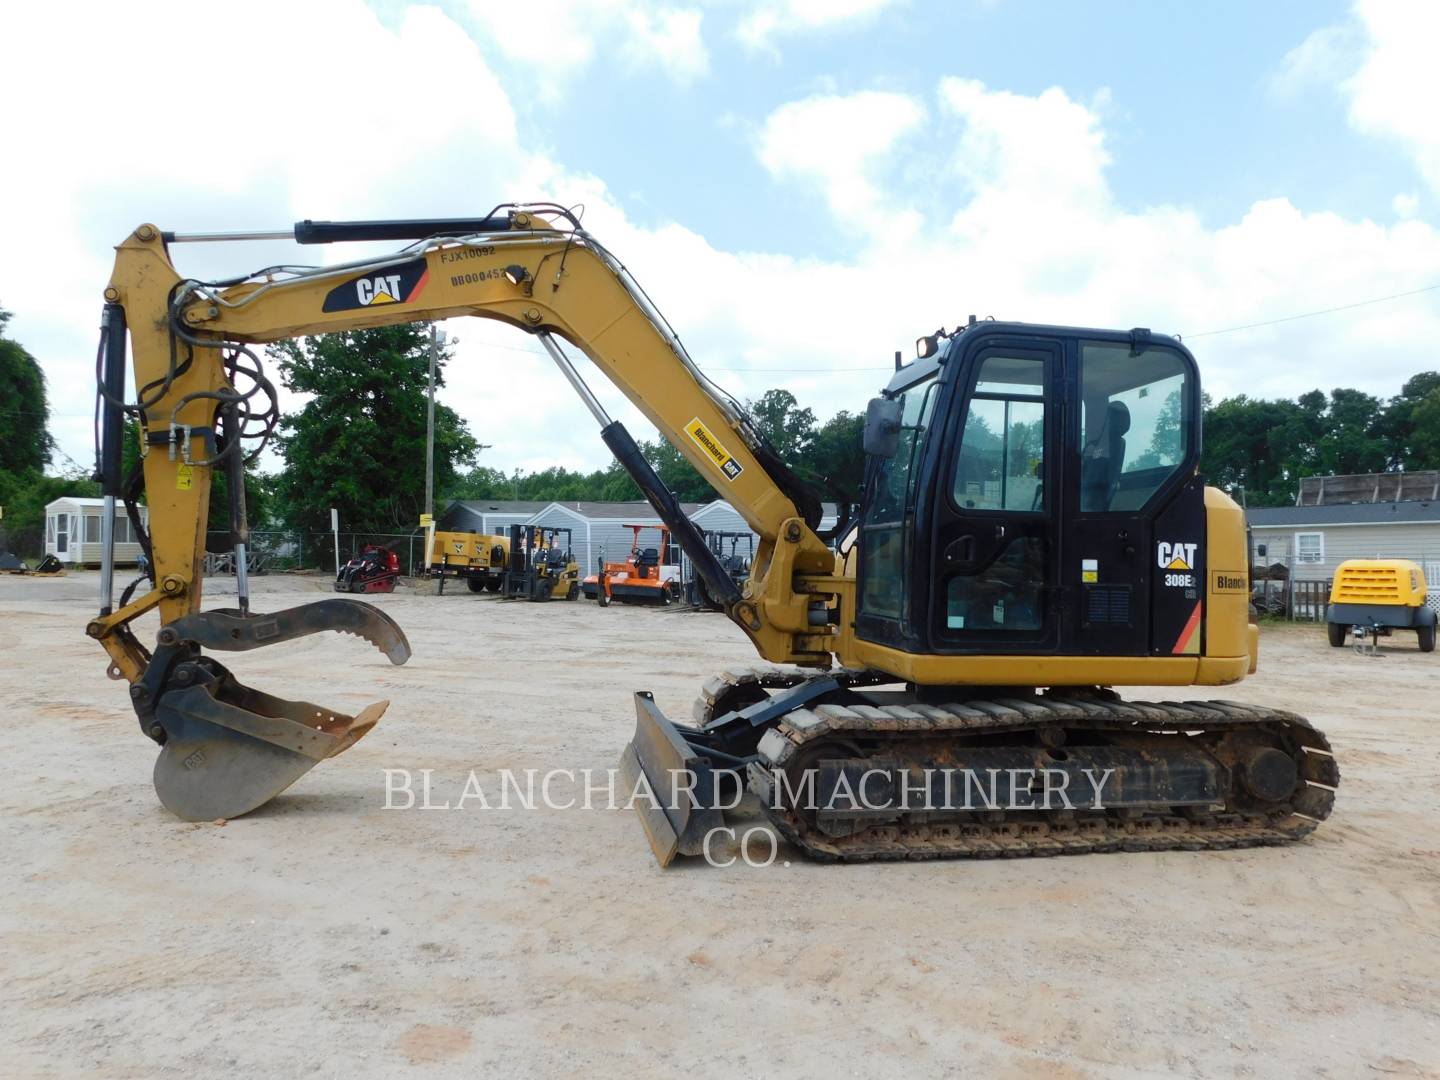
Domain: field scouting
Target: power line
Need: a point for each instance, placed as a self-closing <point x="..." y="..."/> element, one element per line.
<point x="1312" y="314"/>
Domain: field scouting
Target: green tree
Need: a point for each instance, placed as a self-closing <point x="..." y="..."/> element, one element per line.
<point x="359" y="444"/>
<point x="24" y="411"/>
<point x="788" y="428"/>
<point x="1165" y="441"/>
<point x="1351" y="439"/>
<point x="676" y="473"/>
<point x="1410" y="424"/>
<point x="836" y="460"/>
<point x="561" y="485"/>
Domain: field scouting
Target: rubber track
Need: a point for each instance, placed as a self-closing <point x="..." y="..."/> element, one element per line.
<point x="1027" y="836"/>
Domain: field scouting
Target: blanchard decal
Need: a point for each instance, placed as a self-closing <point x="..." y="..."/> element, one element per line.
<point x="1228" y="581"/>
<point x="393" y="285"/>
<point x="715" y="448"/>
<point x="1180" y="560"/>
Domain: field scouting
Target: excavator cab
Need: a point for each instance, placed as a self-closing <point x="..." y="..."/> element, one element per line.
<point x="1038" y="475"/>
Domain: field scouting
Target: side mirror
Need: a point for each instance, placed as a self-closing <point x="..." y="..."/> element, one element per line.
<point x="882" y="427"/>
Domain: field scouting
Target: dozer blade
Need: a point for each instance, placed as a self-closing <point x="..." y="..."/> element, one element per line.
<point x="678" y="796"/>
<point x="226" y="748"/>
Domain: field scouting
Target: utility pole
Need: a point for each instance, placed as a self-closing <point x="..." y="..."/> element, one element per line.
<point x="437" y="338"/>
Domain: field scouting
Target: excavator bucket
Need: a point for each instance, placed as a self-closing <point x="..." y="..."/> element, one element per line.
<point x="226" y="748"/>
<point x="672" y="787"/>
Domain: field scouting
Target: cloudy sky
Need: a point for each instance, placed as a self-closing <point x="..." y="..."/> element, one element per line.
<point x="804" y="186"/>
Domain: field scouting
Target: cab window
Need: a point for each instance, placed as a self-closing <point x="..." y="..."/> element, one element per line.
<point x="1137" y="424"/>
<point x="885" y="548"/>
<point x="1002" y="449"/>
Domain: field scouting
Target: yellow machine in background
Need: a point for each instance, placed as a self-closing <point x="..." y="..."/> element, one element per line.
<point x="479" y="558"/>
<point x="1034" y="532"/>
<point x="542" y="564"/>
<point x="1377" y="597"/>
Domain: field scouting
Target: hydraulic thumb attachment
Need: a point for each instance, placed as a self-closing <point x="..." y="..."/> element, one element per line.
<point x="225" y="748"/>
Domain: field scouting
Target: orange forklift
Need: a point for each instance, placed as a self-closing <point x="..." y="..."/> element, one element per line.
<point x="647" y="576"/>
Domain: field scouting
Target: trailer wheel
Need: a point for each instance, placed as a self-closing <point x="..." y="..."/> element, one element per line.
<point x="475" y="584"/>
<point x="493" y="584"/>
<point x="1426" y="635"/>
<point x="1337" y="633"/>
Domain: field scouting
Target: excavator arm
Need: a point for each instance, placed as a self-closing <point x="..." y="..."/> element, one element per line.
<point x="226" y="748"/>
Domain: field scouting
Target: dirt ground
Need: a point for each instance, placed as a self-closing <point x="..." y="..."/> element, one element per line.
<point x="325" y="935"/>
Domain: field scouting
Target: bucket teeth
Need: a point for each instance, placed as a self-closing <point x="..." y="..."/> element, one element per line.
<point x="233" y="631"/>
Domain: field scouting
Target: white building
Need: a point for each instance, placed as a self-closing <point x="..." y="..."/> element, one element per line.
<point x="72" y="532"/>
<point x="1312" y="540"/>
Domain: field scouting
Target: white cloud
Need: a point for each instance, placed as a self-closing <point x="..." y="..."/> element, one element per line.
<point x="347" y="118"/>
<point x="834" y="142"/>
<point x="556" y="40"/>
<point x="1381" y="63"/>
<point x="1394" y="92"/>
<point x="1038" y="235"/>
<point x="770" y="19"/>
<point x="1012" y="142"/>
<point x="1324" y="58"/>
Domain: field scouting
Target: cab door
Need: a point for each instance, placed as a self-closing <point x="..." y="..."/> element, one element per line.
<point x="995" y="548"/>
<point x="1135" y="536"/>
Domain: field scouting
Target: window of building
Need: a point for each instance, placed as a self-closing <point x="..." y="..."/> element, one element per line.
<point x="1310" y="547"/>
<point x="92" y="529"/>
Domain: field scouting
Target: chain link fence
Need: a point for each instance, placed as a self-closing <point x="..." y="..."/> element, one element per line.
<point x="27" y="542"/>
<point x="288" y="551"/>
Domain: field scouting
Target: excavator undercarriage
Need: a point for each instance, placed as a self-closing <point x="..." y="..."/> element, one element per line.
<point x="848" y="769"/>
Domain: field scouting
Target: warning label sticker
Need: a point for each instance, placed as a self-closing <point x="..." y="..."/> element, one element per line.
<point x="714" y="448"/>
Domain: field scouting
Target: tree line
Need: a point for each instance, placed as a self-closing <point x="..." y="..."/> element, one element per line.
<point x="358" y="443"/>
<point x="1265" y="447"/>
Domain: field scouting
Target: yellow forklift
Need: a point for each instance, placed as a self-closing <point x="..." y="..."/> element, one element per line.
<point x="542" y="566"/>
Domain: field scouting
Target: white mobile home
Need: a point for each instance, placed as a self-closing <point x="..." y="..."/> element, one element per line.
<point x="72" y="532"/>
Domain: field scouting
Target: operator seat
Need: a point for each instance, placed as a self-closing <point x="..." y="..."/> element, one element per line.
<point x="1103" y="459"/>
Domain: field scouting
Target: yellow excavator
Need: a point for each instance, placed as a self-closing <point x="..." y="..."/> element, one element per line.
<point x="1033" y="533"/>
